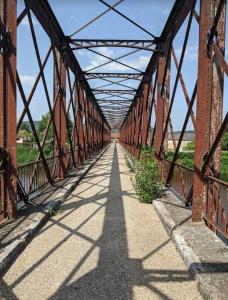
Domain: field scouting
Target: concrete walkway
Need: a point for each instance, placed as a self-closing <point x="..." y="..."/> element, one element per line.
<point x="104" y="245"/>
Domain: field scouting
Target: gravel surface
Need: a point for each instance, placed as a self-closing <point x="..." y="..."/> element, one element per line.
<point x="103" y="244"/>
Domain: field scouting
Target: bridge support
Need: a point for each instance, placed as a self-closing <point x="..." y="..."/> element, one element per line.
<point x="209" y="106"/>
<point x="79" y="118"/>
<point x="8" y="183"/>
<point x="60" y="115"/>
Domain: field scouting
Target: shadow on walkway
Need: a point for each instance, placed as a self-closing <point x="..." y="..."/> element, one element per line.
<point x="116" y="274"/>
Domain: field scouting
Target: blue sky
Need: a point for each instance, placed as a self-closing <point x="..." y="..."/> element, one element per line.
<point x="72" y="15"/>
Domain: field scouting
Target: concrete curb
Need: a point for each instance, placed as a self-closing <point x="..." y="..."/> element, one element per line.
<point x="204" y="254"/>
<point x="186" y="252"/>
<point x="211" y="279"/>
<point x="11" y="251"/>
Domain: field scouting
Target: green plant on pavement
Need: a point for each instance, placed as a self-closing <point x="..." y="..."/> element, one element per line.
<point x="147" y="183"/>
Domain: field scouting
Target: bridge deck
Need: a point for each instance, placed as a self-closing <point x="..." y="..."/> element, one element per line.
<point x="104" y="245"/>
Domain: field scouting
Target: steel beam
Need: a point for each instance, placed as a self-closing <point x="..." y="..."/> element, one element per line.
<point x="161" y="107"/>
<point x="59" y="114"/>
<point x="8" y="103"/>
<point x="121" y="92"/>
<point x="130" y="76"/>
<point x="176" y="18"/>
<point x="78" y="44"/>
<point x="209" y="108"/>
<point x="48" y="21"/>
<point x="79" y="118"/>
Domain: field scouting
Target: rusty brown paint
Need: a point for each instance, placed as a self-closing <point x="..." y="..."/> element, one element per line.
<point x="208" y="112"/>
<point x="8" y="106"/>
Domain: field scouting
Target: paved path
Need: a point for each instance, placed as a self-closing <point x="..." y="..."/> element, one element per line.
<point x="104" y="245"/>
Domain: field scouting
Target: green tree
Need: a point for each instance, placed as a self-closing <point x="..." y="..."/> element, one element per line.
<point x="44" y="122"/>
<point x="25" y="127"/>
<point x="43" y="125"/>
<point x="69" y="122"/>
<point x="224" y="142"/>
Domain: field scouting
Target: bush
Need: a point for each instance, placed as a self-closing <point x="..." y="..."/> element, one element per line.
<point x="191" y="146"/>
<point x="147" y="183"/>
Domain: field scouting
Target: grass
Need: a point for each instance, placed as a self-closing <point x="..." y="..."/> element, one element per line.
<point x="187" y="159"/>
<point x="27" y="154"/>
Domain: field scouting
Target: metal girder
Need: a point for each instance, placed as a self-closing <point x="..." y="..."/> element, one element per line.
<point x="106" y="108"/>
<point x="114" y="101"/>
<point x="8" y="103"/>
<point x="44" y="14"/>
<point x="91" y="43"/>
<point x="209" y="107"/>
<point x="176" y="18"/>
<point x="59" y="116"/>
<point x="121" y="92"/>
<point x="130" y="76"/>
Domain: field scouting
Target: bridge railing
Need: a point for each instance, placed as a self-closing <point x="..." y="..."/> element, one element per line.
<point x="2" y="210"/>
<point x="74" y="127"/>
<point x="157" y="108"/>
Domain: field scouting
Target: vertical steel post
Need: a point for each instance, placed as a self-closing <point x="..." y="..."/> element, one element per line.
<point x="80" y="124"/>
<point x="145" y="116"/>
<point x="8" y="17"/>
<point x="209" y="104"/>
<point x="59" y="114"/>
<point x="161" y="108"/>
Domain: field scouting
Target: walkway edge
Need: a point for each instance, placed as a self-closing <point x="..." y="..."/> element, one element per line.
<point x="210" y="273"/>
<point x="11" y="251"/>
<point x="204" y="254"/>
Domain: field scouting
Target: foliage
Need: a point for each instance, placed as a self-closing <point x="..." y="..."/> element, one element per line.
<point x="187" y="159"/>
<point x="43" y="125"/>
<point x="130" y="162"/>
<point x="25" y="135"/>
<point x="224" y="142"/>
<point x="25" y="127"/>
<point x="147" y="182"/>
<point x="44" y="122"/>
<point x="25" y="154"/>
<point x="191" y="146"/>
<point x="224" y="166"/>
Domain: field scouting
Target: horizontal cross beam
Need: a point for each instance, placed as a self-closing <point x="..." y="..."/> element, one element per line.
<point x="91" y="43"/>
<point x="132" y="76"/>
<point x="121" y="92"/>
<point x="105" y="108"/>
<point x="119" y="101"/>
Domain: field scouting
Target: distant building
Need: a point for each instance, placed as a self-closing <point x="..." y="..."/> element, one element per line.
<point x="23" y="136"/>
<point x="189" y="137"/>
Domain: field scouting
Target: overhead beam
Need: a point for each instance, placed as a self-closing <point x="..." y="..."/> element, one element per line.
<point x="78" y="44"/>
<point x="130" y="76"/>
<point x="122" y="92"/>
<point x="176" y="18"/>
<point x="44" y="14"/>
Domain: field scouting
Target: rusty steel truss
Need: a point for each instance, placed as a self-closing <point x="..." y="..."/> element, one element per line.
<point x="90" y="131"/>
<point x="203" y="190"/>
<point x="95" y="110"/>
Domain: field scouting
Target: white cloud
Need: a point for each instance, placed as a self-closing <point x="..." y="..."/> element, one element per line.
<point x="27" y="79"/>
<point x="138" y="63"/>
<point x="25" y="21"/>
<point x="72" y="17"/>
<point x="191" y="53"/>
